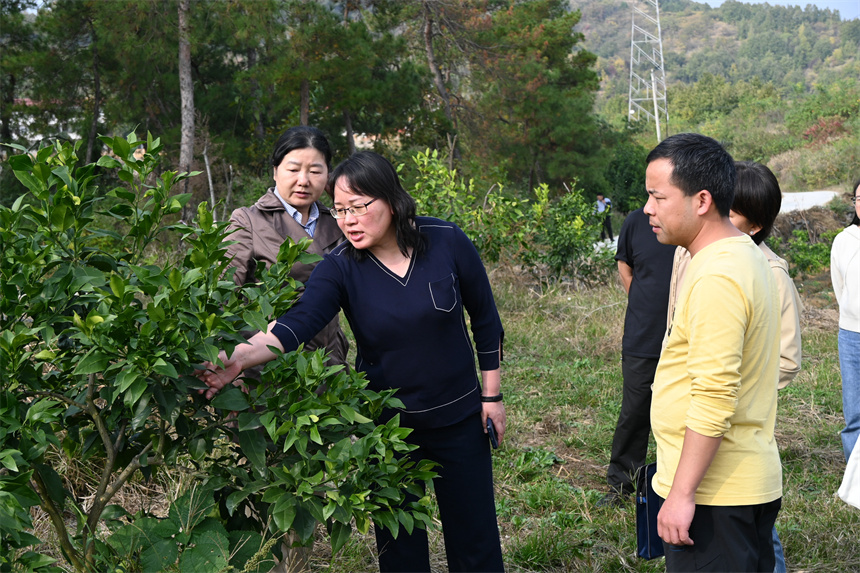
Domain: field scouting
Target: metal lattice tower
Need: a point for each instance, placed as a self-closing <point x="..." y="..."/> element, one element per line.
<point x="647" y="95"/>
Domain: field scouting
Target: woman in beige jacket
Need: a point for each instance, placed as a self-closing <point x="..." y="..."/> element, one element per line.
<point x="756" y="204"/>
<point x="291" y="209"/>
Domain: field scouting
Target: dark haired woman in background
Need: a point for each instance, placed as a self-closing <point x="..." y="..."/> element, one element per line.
<point x="403" y="283"/>
<point x="757" y="201"/>
<point x="301" y="161"/>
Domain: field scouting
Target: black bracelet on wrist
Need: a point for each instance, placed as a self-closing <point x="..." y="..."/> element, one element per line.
<point x="497" y="398"/>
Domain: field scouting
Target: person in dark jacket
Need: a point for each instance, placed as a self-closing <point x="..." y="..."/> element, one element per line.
<point x="403" y="283"/>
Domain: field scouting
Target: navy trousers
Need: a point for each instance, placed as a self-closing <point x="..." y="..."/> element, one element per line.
<point x="464" y="492"/>
<point x="630" y="442"/>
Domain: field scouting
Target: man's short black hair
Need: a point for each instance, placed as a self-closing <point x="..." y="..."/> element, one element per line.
<point x="699" y="162"/>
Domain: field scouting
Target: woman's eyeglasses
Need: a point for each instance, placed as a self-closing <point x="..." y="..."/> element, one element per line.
<point x="355" y="210"/>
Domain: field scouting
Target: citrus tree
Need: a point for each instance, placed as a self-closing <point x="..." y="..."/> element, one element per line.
<point x="100" y="334"/>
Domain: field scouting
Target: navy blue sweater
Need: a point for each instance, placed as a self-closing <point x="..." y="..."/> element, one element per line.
<point x="410" y="332"/>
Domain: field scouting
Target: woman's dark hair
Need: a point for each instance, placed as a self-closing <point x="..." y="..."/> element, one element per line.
<point x="301" y="137"/>
<point x="856" y="219"/>
<point x="757" y="197"/>
<point x="371" y="175"/>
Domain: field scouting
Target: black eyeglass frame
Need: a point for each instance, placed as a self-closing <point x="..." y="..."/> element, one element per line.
<point x="341" y="213"/>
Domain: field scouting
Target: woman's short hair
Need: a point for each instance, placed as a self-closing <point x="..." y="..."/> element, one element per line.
<point x="301" y="137"/>
<point x="757" y="197"/>
<point x="371" y="175"/>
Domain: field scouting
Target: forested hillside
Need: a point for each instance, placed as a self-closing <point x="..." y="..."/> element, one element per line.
<point x="777" y="84"/>
<point x="789" y="46"/>
<point x="513" y="93"/>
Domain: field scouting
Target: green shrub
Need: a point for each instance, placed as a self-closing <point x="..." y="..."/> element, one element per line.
<point x="808" y="257"/>
<point x="566" y="233"/>
<point x="98" y="348"/>
<point x="555" y="239"/>
<point x="495" y="223"/>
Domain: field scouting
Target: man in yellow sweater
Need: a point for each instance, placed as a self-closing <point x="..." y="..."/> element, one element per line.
<point x="714" y="401"/>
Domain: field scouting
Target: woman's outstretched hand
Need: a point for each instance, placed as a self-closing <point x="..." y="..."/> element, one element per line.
<point x="217" y="377"/>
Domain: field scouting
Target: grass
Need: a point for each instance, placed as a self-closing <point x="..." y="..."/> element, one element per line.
<point x="562" y="385"/>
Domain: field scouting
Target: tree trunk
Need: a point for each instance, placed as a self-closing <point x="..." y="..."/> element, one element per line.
<point x="97" y="98"/>
<point x="8" y="99"/>
<point x="438" y="81"/>
<point x="295" y="559"/>
<point x="259" y="129"/>
<point x="209" y="179"/>
<point x="350" y="136"/>
<point x="305" y="104"/>
<point x="228" y="203"/>
<point x="186" y="92"/>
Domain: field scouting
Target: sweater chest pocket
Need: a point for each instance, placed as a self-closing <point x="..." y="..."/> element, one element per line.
<point x="443" y="293"/>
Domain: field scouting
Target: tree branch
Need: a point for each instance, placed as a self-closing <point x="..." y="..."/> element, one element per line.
<point x="54" y="395"/>
<point x="110" y="453"/>
<point x="56" y="516"/>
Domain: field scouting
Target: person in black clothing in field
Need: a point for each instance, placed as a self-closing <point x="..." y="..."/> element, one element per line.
<point x="645" y="268"/>
<point x="403" y="283"/>
<point x="604" y="205"/>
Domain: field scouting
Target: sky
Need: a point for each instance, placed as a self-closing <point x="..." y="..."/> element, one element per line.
<point x="848" y="9"/>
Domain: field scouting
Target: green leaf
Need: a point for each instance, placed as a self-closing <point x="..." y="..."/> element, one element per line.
<point x="230" y="398"/>
<point x="192" y="507"/>
<point x="249" y="421"/>
<point x="235" y="498"/>
<point x="255" y="319"/>
<point x="388" y="521"/>
<point x="7" y="459"/>
<point x="284" y="512"/>
<point x="117" y="285"/>
<point x="34" y="184"/>
<point x="58" y="216"/>
<point x="114" y="512"/>
<point x="120" y="147"/>
<point x="125" y="378"/>
<point x="208" y="551"/>
<point x="175" y="279"/>
<point x="304" y="524"/>
<point x="53" y="483"/>
<point x="92" y="362"/>
<point x="160" y="555"/>
<point x="245" y="545"/>
<point x="340" y="533"/>
<point x="197" y="448"/>
<point x="165" y="369"/>
<point x="134" y="392"/>
<point x="204" y="216"/>
<point x="406" y="520"/>
<point x="253" y="445"/>
<point x="108" y="162"/>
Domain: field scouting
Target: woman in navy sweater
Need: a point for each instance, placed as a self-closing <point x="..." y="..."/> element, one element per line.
<point x="403" y="282"/>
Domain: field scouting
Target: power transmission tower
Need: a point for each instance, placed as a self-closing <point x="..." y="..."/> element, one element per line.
<point x="647" y="95"/>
